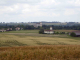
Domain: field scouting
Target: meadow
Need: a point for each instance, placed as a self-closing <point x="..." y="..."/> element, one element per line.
<point x="29" y="45"/>
<point x="22" y="31"/>
<point x="33" y="38"/>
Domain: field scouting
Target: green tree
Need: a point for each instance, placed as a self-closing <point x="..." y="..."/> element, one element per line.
<point x="41" y="31"/>
<point x="73" y="34"/>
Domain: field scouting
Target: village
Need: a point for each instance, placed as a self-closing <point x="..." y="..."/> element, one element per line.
<point x="46" y="31"/>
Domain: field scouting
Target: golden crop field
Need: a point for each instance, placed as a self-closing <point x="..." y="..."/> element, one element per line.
<point x="49" y="52"/>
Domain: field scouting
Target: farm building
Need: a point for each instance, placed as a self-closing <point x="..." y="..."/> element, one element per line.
<point x="2" y="30"/>
<point x="38" y="24"/>
<point x="18" y="28"/>
<point x="9" y="29"/>
<point x="76" y="32"/>
<point x="49" y="31"/>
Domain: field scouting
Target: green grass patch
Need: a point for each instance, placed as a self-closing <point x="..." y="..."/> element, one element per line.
<point x="10" y="43"/>
<point x="22" y="31"/>
<point x="33" y="39"/>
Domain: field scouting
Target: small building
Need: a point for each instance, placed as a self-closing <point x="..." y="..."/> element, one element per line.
<point x="76" y="32"/>
<point x="21" y="28"/>
<point x="9" y="29"/>
<point x="17" y="28"/>
<point x="38" y="24"/>
<point x="2" y="30"/>
<point x="49" y="31"/>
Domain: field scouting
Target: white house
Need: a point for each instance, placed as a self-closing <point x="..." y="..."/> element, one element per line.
<point x="38" y="24"/>
<point x="17" y="28"/>
<point x="1" y="30"/>
<point x="49" y="31"/>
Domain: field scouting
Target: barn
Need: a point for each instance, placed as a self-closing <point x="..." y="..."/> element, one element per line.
<point x="76" y="32"/>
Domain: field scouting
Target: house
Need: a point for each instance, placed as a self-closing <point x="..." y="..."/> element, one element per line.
<point x="2" y="30"/>
<point x="9" y="29"/>
<point x="49" y="31"/>
<point x="76" y="32"/>
<point x="17" y="28"/>
<point x="38" y="24"/>
<point x="21" y="28"/>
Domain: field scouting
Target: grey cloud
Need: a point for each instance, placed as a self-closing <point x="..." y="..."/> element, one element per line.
<point x="57" y="9"/>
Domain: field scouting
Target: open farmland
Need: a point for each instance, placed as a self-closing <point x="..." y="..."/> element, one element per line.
<point x="65" y="30"/>
<point x="29" y="45"/>
<point x="32" y="39"/>
<point x="35" y="31"/>
<point x="52" y="52"/>
<point x="22" y="31"/>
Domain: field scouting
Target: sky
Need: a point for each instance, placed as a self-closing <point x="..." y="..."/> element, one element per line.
<point x="39" y="10"/>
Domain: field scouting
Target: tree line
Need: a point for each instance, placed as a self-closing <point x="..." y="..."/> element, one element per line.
<point x="46" y="27"/>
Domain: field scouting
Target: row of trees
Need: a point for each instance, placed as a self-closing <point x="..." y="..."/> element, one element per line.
<point x="31" y="27"/>
<point x="77" y="27"/>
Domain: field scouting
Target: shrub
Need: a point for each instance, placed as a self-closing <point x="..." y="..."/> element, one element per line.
<point x="41" y="31"/>
<point x="67" y="33"/>
<point x="54" y="32"/>
<point x="73" y="34"/>
<point x="62" y="33"/>
<point x="57" y="32"/>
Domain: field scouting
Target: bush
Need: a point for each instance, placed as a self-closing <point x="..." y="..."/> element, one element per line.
<point x="62" y="33"/>
<point x="67" y="33"/>
<point x="73" y="34"/>
<point x="41" y="31"/>
<point x="57" y="32"/>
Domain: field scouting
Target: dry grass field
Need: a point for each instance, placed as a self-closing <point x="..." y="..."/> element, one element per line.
<point x="48" y="52"/>
<point x="22" y="45"/>
<point x="21" y="39"/>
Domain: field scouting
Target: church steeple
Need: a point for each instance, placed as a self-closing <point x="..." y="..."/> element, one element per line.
<point x="51" y="28"/>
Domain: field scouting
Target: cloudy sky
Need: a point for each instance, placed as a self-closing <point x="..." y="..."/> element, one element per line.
<point x="39" y="10"/>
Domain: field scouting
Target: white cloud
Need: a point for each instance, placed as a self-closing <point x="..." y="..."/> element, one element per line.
<point x="75" y="2"/>
<point x="2" y="2"/>
<point x="46" y="9"/>
<point x="9" y="9"/>
<point x="36" y="11"/>
<point x="49" y="3"/>
<point x="69" y="12"/>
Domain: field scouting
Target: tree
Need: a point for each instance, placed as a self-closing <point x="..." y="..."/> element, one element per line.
<point x="73" y="34"/>
<point x="41" y="31"/>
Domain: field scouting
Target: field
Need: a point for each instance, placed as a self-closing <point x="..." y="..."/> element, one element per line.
<point x="22" y="31"/>
<point x="50" y="52"/>
<point x="32" y="39"/>
<point x="29" y="45"/>
<point x="35" y="31"/>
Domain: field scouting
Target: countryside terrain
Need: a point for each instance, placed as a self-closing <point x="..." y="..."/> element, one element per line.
<point x="30" y="45"/>
<point x="33" y="38"/>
